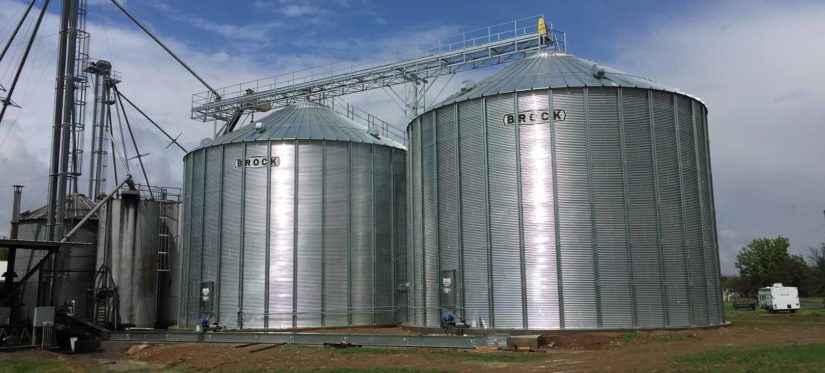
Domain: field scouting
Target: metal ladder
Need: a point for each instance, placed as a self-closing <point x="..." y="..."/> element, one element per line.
<point x="166" y="238"/>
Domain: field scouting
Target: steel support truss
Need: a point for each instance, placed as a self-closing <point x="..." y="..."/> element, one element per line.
<point x="490" y="46"/>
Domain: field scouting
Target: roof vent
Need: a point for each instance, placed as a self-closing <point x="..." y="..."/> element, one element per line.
<point x="468" y="85"/>
<point x="205" y="141"/>
<point x="598" y="71"/>
<point x="259" y="126"/>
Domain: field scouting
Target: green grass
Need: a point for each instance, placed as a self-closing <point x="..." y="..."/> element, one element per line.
<point x="25" y="365"/>
<point x="792" y="358"/>
<point x="803" y="318"/>
<point x="651" y="337"/>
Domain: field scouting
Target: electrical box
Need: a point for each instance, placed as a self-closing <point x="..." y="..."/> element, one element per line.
<point x="449" y="287"/>
<point x="207" y="296"/>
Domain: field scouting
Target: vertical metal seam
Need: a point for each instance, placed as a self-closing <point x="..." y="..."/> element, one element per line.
<point x="701" y="215"/>
<point x="349" y="234"/>
<point x="434" y="122"/>
<point x="296" y="165"/>
<point x="410" y="254"/>
<point x="628" y="230"/>
<point x="220" y="237"/>
<point x="267" y="234"/>
<point x="490" y="288"/>
<point x="460" y="289"/>
<point x="393" y="248"/>
<point x="243" y="220"/>
<point x="658" y="196"/>
<point x="559" y="279"/>
<point x="203" y="225"/>
<point x="683" y="208"/>
<point x="712" y="206"/>
<point x="188" y="255"/>
<point x="423" y="229"/>
<point x="323" y="231"/>
<point x="372" y="209"/>
<point x="520" y="200"/>
<point x="593" y="231"/>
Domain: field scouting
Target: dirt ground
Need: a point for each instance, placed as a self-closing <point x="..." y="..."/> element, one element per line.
<point x="590" y="351"/>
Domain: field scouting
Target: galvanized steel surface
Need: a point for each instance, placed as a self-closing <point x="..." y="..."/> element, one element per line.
<point x="307" y="239"/>
<point x="600" y="216"/>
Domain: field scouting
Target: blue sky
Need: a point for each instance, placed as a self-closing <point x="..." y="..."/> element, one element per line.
<point x="269" y="28"/>
<point x="755" y="63"/>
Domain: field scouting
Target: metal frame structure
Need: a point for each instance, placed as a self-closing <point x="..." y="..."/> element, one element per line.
<point x="500" y="341"/>
<point x="488" y="46"/>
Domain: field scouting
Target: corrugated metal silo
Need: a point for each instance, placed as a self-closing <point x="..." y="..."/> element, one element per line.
<point x="559" y="194"/>
<point x="294" y="221"/>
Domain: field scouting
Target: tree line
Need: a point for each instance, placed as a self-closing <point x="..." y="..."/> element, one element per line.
<point x="765" y="261"/>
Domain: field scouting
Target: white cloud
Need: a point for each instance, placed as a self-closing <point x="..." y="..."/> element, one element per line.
<point x="757" y="65"/>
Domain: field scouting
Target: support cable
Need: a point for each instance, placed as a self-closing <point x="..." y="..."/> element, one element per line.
<point x="114" y="146"/>
<point x="174" y="140"/>
<point x="7" y="100"/>
<point x="185" y="66"/>
<point x="16" y="30"/>
<point x="135" y="145"/>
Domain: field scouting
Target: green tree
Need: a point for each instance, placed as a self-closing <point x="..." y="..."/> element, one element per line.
<point x="766" y="260"/>
<point x="815" y="280"/>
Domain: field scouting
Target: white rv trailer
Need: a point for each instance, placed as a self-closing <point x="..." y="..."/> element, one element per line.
<point x="779" y="298"/>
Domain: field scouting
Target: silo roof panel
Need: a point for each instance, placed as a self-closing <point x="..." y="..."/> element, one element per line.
<point x="552" y="70"/>
<point x="304" y="121"/>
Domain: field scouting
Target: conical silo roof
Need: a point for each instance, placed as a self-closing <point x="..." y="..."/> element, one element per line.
<point x="305" y="121"/>
<point x="553" y="70"/>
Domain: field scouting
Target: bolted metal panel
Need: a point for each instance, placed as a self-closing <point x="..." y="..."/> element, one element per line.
<point x="196" y="233"/>
<point x="309" y="230"/>
<point x="336" y="234"/>
<point x="504" y="214"/>
<point x="670" y="210"/>
<point x="399" y="218"/>
<point x="185" y="232"/>
<point x="575" y="227"/>
<point x="712" y="280"/>
<point x="281" y="235"/>
<point x="641" y="217"/>
<point x="254" y="240"/>
<point x="231" y="200"/>
<point x="693" y="212"/>
<point x="430" y="219"/>
<point x="361" y="259"/>
<point x="542" y="292"/>
<point x="417" y="269"/>
<point x="382" y="212"/>
<point x="609" y="209"/>
<point x="473" y="202"/>
<point x="211" y="217"/>
<point x="448" y="249"/>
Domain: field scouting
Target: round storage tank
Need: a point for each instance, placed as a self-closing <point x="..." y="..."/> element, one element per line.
<point x="559" y="194"/>
<point x="294" y="221"/>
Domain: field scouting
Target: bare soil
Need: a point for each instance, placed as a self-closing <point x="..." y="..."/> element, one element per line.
<point x="588" y="351"/>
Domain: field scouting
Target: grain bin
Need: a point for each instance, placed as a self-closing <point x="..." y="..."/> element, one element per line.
<point x="561" y="194"/>
<point x="295" y="220"/>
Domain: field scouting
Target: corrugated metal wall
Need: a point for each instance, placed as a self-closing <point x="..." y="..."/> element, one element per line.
<point x="309" y="242"/>
<point x="602" y="218"/>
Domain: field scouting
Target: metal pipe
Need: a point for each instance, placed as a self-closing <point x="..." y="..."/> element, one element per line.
<point x="7" y="100"/>
<point x="137" y="150"/>
<point x="174" y="140"/>
<point x="185" y="66"/>
<point x="98" y="205"/>
<point x="92" y="155"/>
<point x="54" y="163"/>
<point x="17" y="29"/>
<point x="12" y="253"/>
<point x="66" y="130"/>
